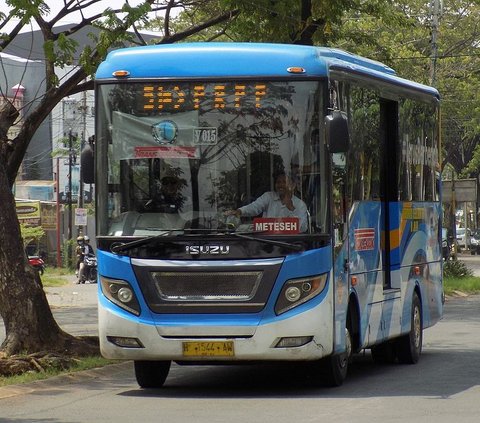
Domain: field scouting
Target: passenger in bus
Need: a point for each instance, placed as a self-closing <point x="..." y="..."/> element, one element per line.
<point x="279" y="203"/>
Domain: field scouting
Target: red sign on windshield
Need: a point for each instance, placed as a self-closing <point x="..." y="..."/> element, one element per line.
<point x="166" y="152"/>
<point x="277" y="225"/>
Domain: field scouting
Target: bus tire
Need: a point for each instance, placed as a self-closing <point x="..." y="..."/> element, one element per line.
<point x="384" y="353"/>
<point x="151" y="374"/>
<point x="335" y="367"/>
<point x="409" y="347"/>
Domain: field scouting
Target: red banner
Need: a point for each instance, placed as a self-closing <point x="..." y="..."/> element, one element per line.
<point x="364" y="239"/>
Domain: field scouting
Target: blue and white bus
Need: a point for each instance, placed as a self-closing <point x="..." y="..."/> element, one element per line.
<point x="188" y="133"/>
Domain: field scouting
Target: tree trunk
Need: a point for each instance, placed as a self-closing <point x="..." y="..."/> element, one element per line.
<point x="29" y="323"/>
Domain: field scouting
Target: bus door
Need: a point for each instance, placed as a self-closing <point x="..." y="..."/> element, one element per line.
<point x="340" y="246"/>
<point x="366" y="262"/>
<point x="373" y="188"/>
<point x="367" y="198"/>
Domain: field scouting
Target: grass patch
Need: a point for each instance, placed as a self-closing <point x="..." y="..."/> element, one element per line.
<point x="467" y="284"/>
<point x="78" y="365"/>
<point x="458" y="277"/>
<point x="55" y="276"/>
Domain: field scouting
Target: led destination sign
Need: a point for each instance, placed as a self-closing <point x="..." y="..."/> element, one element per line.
<point x="192" y="96"/>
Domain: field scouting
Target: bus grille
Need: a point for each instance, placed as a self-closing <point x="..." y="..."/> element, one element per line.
<point x="206" y="286"/>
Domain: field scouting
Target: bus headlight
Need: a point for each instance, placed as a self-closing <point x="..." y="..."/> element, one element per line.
<point x="120" y="293"/>
<point x="298" y="291"/>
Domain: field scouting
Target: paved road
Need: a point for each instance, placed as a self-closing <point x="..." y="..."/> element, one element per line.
<point x="443" y="387"/>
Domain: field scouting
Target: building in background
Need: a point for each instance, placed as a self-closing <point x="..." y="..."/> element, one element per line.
<point x="53" y="156"/>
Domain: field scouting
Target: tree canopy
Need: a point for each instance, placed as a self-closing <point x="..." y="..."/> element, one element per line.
<point x="449" y="60"/>
<point x="429" y="45"/>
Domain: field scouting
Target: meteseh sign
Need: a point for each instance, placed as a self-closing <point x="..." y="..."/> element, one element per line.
<point x="465" y="191"/>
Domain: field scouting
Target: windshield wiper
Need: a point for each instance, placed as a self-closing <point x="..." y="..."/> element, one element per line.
<point x="139" y="242"/>
<point x="248" y="235"/>
<point x="244" y="235"/>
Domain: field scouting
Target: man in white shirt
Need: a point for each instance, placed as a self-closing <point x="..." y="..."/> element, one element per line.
<point x="279" y="203"/>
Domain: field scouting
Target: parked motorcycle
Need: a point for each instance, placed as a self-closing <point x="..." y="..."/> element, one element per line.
<point x="37" y="263"/>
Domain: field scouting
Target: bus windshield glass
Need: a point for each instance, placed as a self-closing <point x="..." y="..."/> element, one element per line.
<point x="214" y="156"/>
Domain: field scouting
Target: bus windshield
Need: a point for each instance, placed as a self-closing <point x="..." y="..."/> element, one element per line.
<point x="214" y="156"/>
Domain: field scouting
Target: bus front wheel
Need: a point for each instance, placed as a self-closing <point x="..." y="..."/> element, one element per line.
<point x="333" y="369"/>
<point x="151" y="374"/>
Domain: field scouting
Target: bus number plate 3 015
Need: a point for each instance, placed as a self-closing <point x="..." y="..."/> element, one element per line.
<point x="208" y="349"/>
<point x="205" y="136"/>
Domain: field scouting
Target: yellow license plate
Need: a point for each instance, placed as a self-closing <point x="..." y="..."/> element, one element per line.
<point x="208" y="349"/>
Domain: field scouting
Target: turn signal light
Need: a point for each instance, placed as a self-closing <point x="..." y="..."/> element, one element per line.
<point x="295" y="69"/>
<point x="120" y="73"/>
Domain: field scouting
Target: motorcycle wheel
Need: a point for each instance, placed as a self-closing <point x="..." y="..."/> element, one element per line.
<point x="93" y="276"/>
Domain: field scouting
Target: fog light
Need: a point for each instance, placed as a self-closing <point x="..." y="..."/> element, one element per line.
<point x="294" y="341"/>
<point x="121" y="341"/>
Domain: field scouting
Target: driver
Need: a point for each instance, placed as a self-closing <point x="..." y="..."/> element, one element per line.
<point x="281" y="202"/>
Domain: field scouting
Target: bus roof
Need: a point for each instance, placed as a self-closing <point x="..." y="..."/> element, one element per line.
<point x="220" y="60"/>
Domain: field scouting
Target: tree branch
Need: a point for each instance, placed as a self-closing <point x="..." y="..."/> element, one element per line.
<point x="166" y="29"/>
<point x="8" y="38"/>
<point x="33" y="121"/>
<point x="193" y="30"/>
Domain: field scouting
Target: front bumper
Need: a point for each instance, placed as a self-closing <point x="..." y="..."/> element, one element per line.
<point x="251" y="343"/>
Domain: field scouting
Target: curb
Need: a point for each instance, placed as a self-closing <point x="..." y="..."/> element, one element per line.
<point x="104" y="372"/>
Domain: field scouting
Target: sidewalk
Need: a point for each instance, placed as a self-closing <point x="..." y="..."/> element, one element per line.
<point x="74" y="307"/>
<point x="72" y="295"/>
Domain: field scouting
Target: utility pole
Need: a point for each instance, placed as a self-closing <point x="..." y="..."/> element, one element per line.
<point x="436" y="11"/>
<point x="69" y="194"/>
<point x="82" y="144"/>
<point x="57" y="188"/>
<point x="453" y="210"/>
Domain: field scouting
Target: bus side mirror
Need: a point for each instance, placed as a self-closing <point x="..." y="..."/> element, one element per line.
<point x="87" y="163"/>
<point x="336" y="131"/>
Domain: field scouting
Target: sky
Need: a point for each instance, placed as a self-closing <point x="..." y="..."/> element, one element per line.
<point x="56" y="5"/>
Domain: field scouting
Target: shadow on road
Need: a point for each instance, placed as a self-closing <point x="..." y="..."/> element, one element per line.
<point x="430" y="377"/>
<point x="448" y="366"/>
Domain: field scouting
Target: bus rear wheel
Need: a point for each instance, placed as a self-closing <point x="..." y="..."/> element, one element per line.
<point x="409" y="347"/>
<point x="151" y="374"/>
